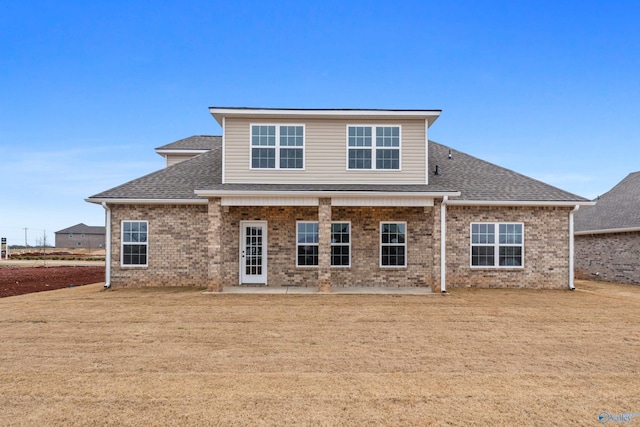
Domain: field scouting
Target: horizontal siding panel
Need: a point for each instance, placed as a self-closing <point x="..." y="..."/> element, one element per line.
<point x="325" y="154"/>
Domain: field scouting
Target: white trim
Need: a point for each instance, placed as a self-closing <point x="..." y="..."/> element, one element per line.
<point x="278" y="147"/>
<point x="405" y="245"/>
<point x="262" y="279"/>
<point x="374" y="148"/>
<point x="607" y="231"/>
<point x="219" y="112"/>
<point x="181" y="151"/>
<point x="115" y="201"/>
<point x="379" y="201"/>
<point x="224" y="154"/>
<point x="496" y="244"/>
<point x="323" y="194"/>
<point x="269" y="201"/>
<point x="341" y="244"/>
<point x="317" y="223"/>
<point x="123" y="243"/>
<point x="518" y="203"/>
<point x="426" y="152"/>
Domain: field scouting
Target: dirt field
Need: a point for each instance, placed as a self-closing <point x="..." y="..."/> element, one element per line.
<point x="15" y="280"/>
<point x="166" y="356"/>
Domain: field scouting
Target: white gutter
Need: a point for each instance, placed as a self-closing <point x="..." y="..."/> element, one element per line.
<point x="123" y="201"/>
<point x="571" y="249"/>
<point x="187" y="151"/>
<point x="107" y="245"/>
<point x="518" y="203"/>
<point x="443" y="245"/>
<point x="608" y="231"/>
<point x="323" y="193"/>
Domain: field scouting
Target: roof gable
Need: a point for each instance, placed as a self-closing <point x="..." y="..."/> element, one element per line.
<point x="196" y="142"/>
<point x="82" y="229"/>
<point x="617" y="209"/>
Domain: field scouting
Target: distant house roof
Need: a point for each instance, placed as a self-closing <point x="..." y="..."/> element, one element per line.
<point x="475" y="179"/>
<point x="616" y="210"/>
<point x="82" y="229"/>
<point x="196" y="142"/>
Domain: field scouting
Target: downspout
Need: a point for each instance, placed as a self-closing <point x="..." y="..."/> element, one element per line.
<point x="107" y="244"/>
<point x="571" y="249"/>
<point x="443" y="245"/>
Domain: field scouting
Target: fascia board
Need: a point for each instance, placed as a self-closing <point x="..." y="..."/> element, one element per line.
<point x="123" y="201"/>
<point x="519" y="203"/>
<point x="607" y="231"/>
<point x="219" y="112"/>
<point x="378" y="194"/>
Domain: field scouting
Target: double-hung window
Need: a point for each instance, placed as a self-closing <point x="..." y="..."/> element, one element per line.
<point x="277" y="146"/>
<point x="340" y="244"/>
<point x="393" y="244"/>
<point x="373" y="147"/>
<point x="497" y="245"/>
<point x="307" y="246"/>
<point x="134" y="243"/>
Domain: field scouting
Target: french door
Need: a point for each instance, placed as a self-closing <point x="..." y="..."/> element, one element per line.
<point x="253" y="252"/>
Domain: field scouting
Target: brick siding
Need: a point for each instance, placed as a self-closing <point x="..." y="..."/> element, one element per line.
<point x="611" y="257"/>
<point x="187" y="248"/>
<point x="177" y="245"/>
<point x="546" y="248"/>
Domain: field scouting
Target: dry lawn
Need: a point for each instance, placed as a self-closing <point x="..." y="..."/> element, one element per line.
<point x="163" y="357"/>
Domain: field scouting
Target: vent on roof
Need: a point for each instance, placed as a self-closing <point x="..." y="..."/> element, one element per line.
<point x="450" y="157"/>
<point x="437" y="171"/>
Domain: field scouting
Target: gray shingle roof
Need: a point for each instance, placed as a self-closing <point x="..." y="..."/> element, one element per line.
<point x="82" y="229"/>
<point x="196" y="142"/>
<point x="174" y="182"/>
<point x="474" y="178"/>
<point x="481" y="180"/>
<point x="616" y="209"/>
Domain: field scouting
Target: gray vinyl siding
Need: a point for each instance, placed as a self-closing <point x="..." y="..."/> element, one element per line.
<point x="325" y="154"/>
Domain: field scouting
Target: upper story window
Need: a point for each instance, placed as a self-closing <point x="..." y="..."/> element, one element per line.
<point x="373" y="147"/>
<point x="277" y="147"/>
<point x="497" y="244"/>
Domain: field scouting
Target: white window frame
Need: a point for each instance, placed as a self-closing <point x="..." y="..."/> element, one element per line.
<point x="278" y="147"/>
<point x="405" y="245"/>
<point x="316" y="244"/>
<point x="496" y="245"/>
<point x="374" y="148"/>
<point x="123" y="243"/>
<point x="341" y="244"/>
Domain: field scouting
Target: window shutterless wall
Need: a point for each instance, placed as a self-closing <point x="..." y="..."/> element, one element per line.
<point x="325" y="151"/>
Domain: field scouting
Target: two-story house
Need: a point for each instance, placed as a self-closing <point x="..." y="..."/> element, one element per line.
<point x="327" y="198"/>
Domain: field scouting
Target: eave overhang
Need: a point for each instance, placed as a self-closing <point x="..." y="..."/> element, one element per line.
<point x="132" y="201"/>
<point x="282" y="113"/>
<point x="608" y="231"/>
<point x="558" y="203"/>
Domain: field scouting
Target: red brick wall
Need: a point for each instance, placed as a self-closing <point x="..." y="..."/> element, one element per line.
<point x="613" y="257"/>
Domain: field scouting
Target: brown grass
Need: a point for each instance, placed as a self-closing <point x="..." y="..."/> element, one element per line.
<point x="84" y="356"/>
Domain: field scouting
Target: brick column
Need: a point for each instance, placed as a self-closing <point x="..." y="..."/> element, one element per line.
<point x="324" y="245"/>
<point x="214" y="245"/>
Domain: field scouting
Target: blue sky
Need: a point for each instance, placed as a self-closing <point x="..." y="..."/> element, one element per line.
<point x="88" y="89"/>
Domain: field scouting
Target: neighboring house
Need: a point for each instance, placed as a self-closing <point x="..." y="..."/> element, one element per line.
<point x="607" y="238"/>
<point x="331" y="198"/>
<point x="81" y="236"/>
